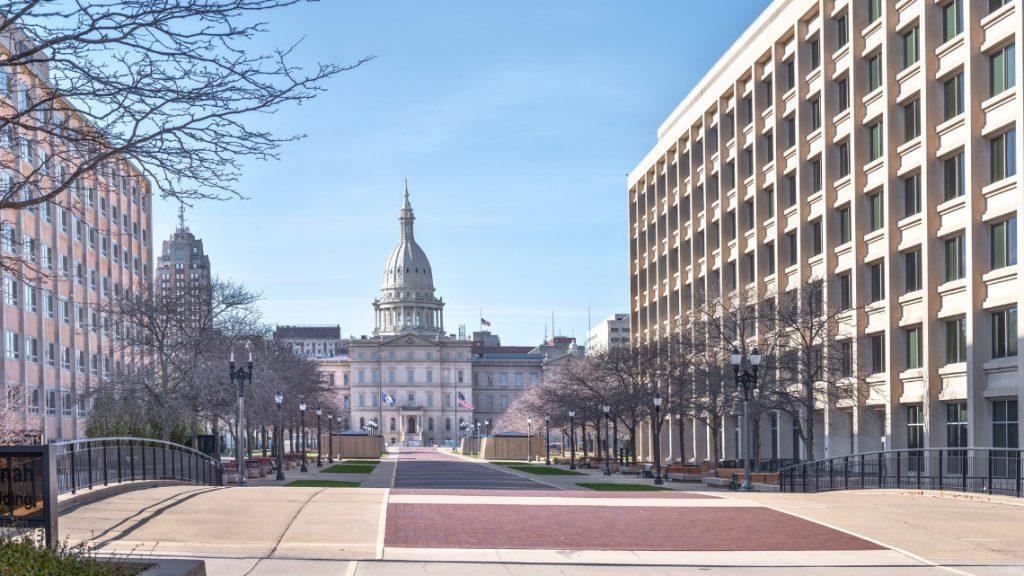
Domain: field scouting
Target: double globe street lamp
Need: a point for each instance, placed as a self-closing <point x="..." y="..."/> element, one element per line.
<point x="241" y="375"/>
<point x="656" y="433"/>
<point x="319" y="450"/>
<point x="607" y="442"/>
<point x="748" y="380"/>
<point x="302" y="435"/>
<point x="572" y="440"/>
<point x="529" y="437"/>
<point x="330" y="433"/>
<point x="278" y="435"/>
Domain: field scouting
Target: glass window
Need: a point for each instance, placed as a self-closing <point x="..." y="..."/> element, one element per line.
<point x="911" y="120"/>
<point x="912" y="195"/>
<point x="877" y="353"/>
<point x="910" y="55"/>
<point x="1004" y="424"/>
<point x="874" y="72"/>
<point x="842" y="31"/>
<point x="915" y="427"/>
<point x="842" y="94"/>
<point x="844" y="225"/>
<point x="1003" y="155"/>
<point x="1004" y="243"/>
<point x="953" y="175"/>
<point x="845" y="292"/>
<point x="816" y="237"/>
<point x="953" y="97"/>
<point x="877" y="211"/>
<point x="952" y="20"/>
<point x="874" y="10"/>
<point x="791" y="238"/>
<point x="956" y="341"/>
<point x="875" y="141"/>
<point x="994" y="5"/>
<point x="769" y="202"/>
<point x="1004" y="333"/>
<point x="816" y="175"/>
<point x="913" y="270"/>
<point x="1002" y="73"/>
<point x="815" y="50"/>
<point x="843" y="153"/>
<point x="956" y="425"/>
<point x="815" y="114"/>
<point x="914" y="348"/>
<point x="877" y="282"/>
<point x="789" y="69"/>
<point x="955" y="264"/>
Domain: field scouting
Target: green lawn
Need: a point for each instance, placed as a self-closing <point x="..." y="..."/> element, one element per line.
<point x="373" y="462"/>
<point x="610" y="487"/>
<point x="544" y="470"/>
<point x="350" y="468"/>
<point x="509" y="462"/>
<point x="321" y="484"/>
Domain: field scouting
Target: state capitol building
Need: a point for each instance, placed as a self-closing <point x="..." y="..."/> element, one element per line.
<point x="406" y="376"/>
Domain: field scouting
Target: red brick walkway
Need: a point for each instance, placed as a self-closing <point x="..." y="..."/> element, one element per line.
<point x="608" y="528"/>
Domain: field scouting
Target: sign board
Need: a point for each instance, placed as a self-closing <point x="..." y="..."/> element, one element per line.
<point x="28" y="488"/>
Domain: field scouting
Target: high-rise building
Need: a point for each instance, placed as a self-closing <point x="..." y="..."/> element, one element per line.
<point x="183" y="263"/>
<point x="612" y="332"/>
<point x="875" y="146"/>
<point x="63" y="261"/>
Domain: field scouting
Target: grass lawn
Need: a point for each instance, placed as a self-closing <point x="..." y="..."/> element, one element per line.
<point x="544" y="470"/>
<point x="350" y="468"/>
<point x="608" y="486"/>
<point x="371" y="462"/>
<point x="321" y="484"/>
<point x="509" y="462"/>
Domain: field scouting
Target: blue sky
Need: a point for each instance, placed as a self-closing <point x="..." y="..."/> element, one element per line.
<point x="515" y="124"/>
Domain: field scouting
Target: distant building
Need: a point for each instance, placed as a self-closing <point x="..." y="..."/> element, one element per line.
<point x="612" y="332"/>
<point x="485" y="338"/>
<point x="313" y="341"/>
<point x="183" y="262"/>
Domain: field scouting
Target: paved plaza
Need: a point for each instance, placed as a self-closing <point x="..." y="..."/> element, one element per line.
<point x="448" y="514"/>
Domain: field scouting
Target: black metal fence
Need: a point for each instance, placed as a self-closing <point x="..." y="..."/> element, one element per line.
<point x="762" y="465"/>
<point x="982" y="470"/>
<point x="92" y="462"/>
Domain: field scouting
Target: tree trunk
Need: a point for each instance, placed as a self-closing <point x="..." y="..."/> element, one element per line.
<point x="809" y="432"/>
<point x="615" y="443"/>
<point x="682" y="438"/>
<point x="600" y="447"/>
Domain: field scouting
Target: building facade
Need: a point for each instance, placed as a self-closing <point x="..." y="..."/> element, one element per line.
<point x="612" y="332"/>
<point x="183" y="264"/>
<point x="873" y="145"/>
<point x="312" y="341"/>
<point x="63" y="262"/>
<point x="407" y="375"/>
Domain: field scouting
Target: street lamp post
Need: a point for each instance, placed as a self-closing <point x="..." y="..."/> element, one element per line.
<point x="477" y="447"/>
<point x="302" y="434"/>
<point x="657" y="441"/>
<point x="607" y="459"/>
<point x="529" y="437"/>
<point x="319" y="441"/>
<point x="572" y="439"/>
<point x="330" y="442"/>
<point x="547" y="440"/>
<point x="278" y="443"/>
<point x="748" y="380"/>
<point x="240" y="375"/>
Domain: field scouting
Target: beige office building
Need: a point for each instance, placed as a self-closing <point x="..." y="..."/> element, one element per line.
<point x="873" y="144"/>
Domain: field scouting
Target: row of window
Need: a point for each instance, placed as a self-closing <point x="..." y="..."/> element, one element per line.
<point x="1005" y="423"/>
<point x="91" y="362"/>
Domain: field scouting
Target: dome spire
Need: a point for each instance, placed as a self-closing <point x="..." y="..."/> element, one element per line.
<point x="406" y="216"/>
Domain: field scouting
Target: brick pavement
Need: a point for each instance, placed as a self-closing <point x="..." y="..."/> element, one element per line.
<point x="608" y="528"/>
<point x="430" y="468"/>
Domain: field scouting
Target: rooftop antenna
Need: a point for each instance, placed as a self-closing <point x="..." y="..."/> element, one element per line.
<point x="181" y="216"/>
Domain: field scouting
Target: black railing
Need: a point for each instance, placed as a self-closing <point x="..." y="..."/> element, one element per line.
<point x="982" y="470"/>
<point x="763" y="465"/>
<point x="92" y="462"/>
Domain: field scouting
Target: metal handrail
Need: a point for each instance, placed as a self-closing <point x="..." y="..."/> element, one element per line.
<point x="89" y="462"/>
<point x="988" y="470"/>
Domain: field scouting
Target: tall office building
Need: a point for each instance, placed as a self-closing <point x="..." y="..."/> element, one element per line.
<point x="873" y="145"/>
<point x="183" y="263"/>
<point x="612" y="332"/>
<point x="63" y="261"/>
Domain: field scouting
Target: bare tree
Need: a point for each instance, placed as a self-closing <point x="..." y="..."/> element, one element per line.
<point x="12" y="417"/>
<point x="171" y="87"/>
<point x="813" y="362"/>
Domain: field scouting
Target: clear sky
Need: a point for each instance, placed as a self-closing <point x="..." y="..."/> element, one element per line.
<point x="515" y="124"/>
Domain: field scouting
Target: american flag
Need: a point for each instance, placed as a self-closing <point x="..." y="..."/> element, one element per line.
<point x="461" y="401"/>
<point x="484" y="322"/>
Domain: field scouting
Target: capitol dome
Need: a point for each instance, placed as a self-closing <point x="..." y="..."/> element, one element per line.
<point x="407" y="302"/>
